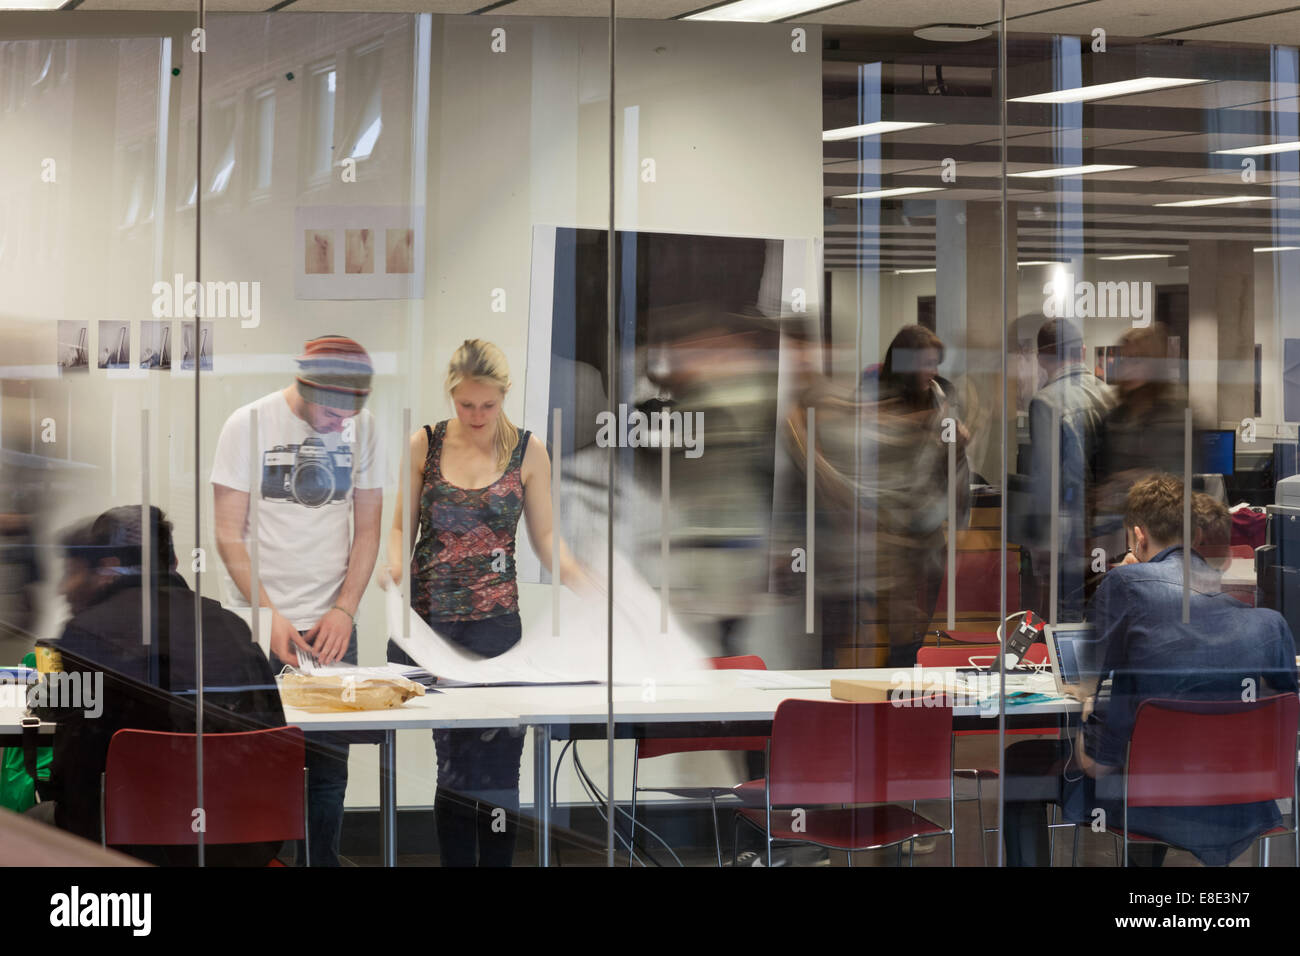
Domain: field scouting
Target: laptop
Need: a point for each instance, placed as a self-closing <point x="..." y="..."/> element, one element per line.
<point x="1075" y="654"/>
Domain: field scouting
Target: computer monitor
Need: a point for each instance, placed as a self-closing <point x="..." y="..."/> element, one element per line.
<point x="1216" y="452"/>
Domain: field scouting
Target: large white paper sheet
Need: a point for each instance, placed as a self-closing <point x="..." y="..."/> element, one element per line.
<point x="578" y="654"/>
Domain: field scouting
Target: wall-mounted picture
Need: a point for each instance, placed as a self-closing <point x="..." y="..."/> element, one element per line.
<point x="114" y="344"/>
<point x="73" y="351"/>
<point x="205" y="345"/>
<point x="319" y="245"/>
<point x="156" y="345"/>
<point x="399" y="251"/>
<point x="359" y="251"/>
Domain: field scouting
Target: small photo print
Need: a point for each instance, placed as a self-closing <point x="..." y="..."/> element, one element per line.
<point x="156" y="345"/>
<point x="205" y="346"/>
<point x="320" y="252"/>
<point x="73" y="350"/>
<point x="399" y="251"/>
<point x="359" y="251"/>
<point x="114" y="344"/>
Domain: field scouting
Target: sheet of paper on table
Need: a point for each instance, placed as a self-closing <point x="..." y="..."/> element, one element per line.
<point x="576" y="655"/>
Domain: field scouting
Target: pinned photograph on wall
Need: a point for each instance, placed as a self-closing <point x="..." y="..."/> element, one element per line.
<point x="399" y="251"/>
<point x="156" y="345"/>
<point x="205" y="346"/>
<point x="319" y="251"/>
<point x="73" y="350"/>
<point x="367" y="233"/>
<point x="114" y="344"/>
<point x="359" y="251"/>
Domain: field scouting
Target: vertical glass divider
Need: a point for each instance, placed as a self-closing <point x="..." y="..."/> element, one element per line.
<point x="254" y="493"/>
<point x="557" y="419"/>
<point x="407" y="530"/>
<point x="810" y="520"/>
<point x="1054" y="537"/>
<point x="146" y="536"/>
<point x="1187" y="515"/>
<point x="664" y="517"/>
<point x="951" y="572"/>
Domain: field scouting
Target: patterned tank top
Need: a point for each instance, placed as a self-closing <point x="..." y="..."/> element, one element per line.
<point x="455" y="574"/>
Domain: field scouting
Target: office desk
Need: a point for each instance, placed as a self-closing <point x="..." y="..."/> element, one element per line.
<point x="716" y="704"/>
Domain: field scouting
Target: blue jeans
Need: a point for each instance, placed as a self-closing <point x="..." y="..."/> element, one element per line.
<point x="476" y="803"/>
<point x="327" y="783"/>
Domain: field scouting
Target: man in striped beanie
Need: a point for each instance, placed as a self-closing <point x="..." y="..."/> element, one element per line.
<point x="313" y="460"/>
<point x="334" y="376"/>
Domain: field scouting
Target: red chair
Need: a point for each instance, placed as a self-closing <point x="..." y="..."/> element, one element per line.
<point x="254" y="788"/>
<point x="984" y="658"/>
<point x="977" y="584"/>
<point x="965" y="637"/>
<point x="1210" y="754"/>
<point x="649" y="748"/>
<point x="827" y="759"/>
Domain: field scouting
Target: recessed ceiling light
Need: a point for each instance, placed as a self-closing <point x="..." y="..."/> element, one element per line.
<point x="912" y="272"/>
<point x="1263" y="150"/>
<point x="31" y="4"/>
<point x="1217" y="201"/>
<point x="1039" y="262"/>
<point x="888" y="193"/>
<point x="951" y="33"/>
<point x="867" y="129"/>
<point x="1276" y="248"/>
<point x="1070" y="171"/>
<point x="1140" y="255"/>
<point x="761" y="11"/>
<point x="1101" y="91"/>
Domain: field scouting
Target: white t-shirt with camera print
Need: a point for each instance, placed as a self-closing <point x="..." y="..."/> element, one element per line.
<point x="304" y="481"/>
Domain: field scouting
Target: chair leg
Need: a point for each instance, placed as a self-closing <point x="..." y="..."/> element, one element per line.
<point x="1074" y="855"/>
<point x="1263" y="851"/>
<point x="1051" y="838"/>
<point x="979" y="808"/>
<point x="735" y="836"/>
<point x="850" y="856"/>
<point x="631" y="843"/>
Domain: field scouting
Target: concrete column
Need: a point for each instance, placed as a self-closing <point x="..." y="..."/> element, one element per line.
<point x="1221" y="331"/>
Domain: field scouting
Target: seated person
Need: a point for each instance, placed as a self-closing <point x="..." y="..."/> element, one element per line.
<point x="1150" y="653"/>
<point x="126" y="683"/>
<point x="1212" y="530"/>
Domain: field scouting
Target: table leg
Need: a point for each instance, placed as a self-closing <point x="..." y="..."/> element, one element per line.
<point x="542" y="792"/>
<point x="388" y="795"/>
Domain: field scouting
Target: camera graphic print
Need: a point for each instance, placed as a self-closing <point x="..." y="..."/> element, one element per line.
<point x="308" y="474"/>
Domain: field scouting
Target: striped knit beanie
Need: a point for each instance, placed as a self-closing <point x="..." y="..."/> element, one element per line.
<point x="335" y="371"/>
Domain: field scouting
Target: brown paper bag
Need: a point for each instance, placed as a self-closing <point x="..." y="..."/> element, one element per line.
<point x="319" y="694"/>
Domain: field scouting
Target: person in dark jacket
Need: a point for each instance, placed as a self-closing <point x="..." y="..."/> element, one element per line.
<point x="126" y="682"/>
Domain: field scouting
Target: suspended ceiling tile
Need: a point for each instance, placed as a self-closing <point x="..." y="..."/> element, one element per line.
<point x="383" y="6"/>
<point x="1282" y="28"/>
<point x="1120" y="18"/>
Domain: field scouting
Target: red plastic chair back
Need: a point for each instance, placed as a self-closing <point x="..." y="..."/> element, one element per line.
<point x="973" y="656"/>
<point x="833" y="752"/>
<point x="252" y="787"/>
<point x="1211" y="753"/>
<point x="660" y="747"/>
<point x="977" y="583"/>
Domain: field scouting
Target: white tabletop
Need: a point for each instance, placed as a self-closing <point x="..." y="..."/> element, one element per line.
<point x="710" y="696"/>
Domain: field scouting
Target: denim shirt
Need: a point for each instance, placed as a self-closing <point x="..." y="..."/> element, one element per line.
<point x="1149" y="653"/>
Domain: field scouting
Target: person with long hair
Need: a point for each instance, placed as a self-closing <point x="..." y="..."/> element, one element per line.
<point x="476" y="474"/>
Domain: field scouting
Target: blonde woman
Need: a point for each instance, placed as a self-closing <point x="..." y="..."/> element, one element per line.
<point x="476" y="474"/>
